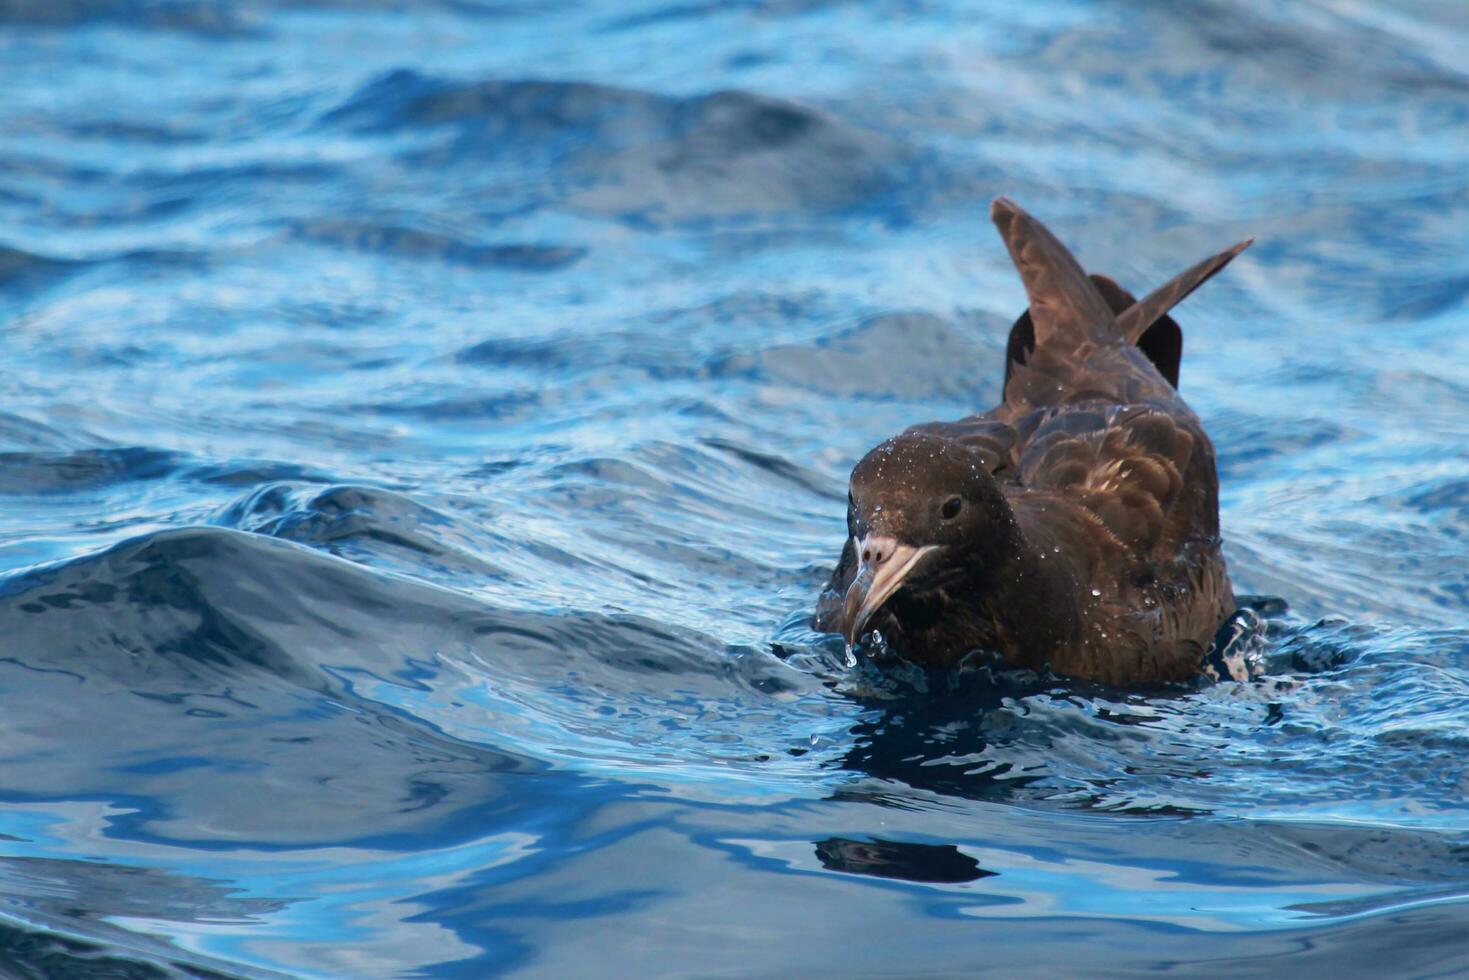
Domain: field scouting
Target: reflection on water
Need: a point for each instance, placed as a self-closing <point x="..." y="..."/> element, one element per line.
<point x="941" y="863"/>
<point x="423" y="437"/>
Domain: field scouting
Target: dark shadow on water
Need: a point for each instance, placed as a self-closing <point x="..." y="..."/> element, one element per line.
<point x="63" y="900"/>
<point x="37" y="954"/>
<point x="900" y="860"/>
<point x="981" y="733"/>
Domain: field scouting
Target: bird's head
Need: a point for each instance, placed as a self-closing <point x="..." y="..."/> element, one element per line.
<point x="922" y="511"/>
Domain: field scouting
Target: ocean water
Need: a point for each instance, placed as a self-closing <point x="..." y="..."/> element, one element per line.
<point x="424" y="431"/>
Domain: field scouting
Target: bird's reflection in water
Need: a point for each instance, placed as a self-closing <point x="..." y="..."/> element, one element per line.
<point x="929" y="863"/>
<point x="978" y="732"/>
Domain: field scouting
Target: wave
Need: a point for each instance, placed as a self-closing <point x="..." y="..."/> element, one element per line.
<point x="212" y="650"/>
<point x="25" y="271"/>
<point x="640" y="155"/>
<point x="359" y="522"/>
<point x="415" y="244"/>
<point x="204" y="18"/>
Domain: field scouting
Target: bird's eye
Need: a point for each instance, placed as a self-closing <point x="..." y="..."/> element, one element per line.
<point x="952" y="506"/>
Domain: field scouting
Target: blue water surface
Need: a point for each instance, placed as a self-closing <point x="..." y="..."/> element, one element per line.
<point x="424" y="430"/>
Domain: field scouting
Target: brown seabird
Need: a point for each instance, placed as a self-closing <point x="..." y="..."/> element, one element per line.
<point x="1075" y="526"/>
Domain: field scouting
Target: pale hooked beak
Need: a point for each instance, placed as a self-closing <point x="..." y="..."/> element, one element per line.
<point x="884" y="565"/>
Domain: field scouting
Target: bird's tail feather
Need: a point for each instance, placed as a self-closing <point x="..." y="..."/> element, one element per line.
<point x="1136" y="319"/>
<point x="1065" y="303"/>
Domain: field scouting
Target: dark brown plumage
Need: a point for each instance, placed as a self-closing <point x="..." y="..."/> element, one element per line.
<point x="1073" y="527"/>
